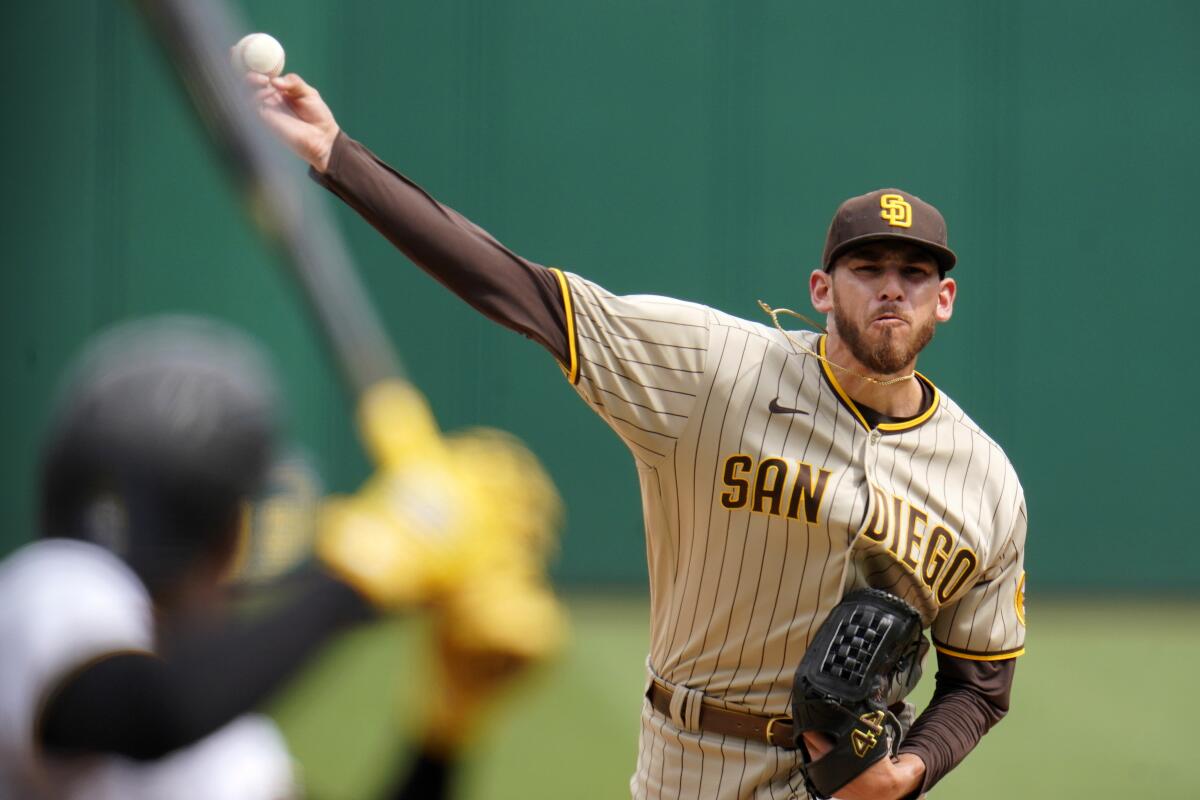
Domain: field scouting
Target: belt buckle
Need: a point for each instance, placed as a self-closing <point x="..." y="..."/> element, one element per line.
<point x="770" y="732"/>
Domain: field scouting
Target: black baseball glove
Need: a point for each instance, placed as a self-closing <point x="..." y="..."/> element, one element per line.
<point x="865" y="657"/>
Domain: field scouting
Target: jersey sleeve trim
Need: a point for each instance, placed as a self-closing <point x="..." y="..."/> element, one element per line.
<point x="975" y="655"/>
<point x="571" y="368"/>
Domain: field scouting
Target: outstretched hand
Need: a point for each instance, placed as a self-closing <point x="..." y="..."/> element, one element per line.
<point x="297" y="115"/>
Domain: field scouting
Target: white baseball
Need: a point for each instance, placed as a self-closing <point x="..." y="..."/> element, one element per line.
<point x="258" y="52"/>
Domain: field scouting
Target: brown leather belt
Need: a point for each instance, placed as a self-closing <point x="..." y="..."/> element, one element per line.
<point x="775" y="731"/>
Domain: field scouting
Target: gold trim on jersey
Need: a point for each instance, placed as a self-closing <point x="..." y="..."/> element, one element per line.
<point x="837" y="387"/>
<point x="883" y="427"/>
<point x="971" y="655"/>
<point x="888" y="427"/>
<point x="571" y="369"/>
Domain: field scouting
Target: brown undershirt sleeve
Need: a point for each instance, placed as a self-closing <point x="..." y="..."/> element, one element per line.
<point x="970" y="697"/>
<point x="505" y="287"/>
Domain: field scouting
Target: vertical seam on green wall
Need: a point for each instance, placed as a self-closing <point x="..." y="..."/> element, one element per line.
<point x="107" y="274"/>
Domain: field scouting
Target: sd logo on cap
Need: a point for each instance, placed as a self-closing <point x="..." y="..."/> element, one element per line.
<point x="888" y="214"/>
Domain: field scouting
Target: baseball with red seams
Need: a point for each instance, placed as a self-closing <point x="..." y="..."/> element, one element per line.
<point x="258" y="52"/>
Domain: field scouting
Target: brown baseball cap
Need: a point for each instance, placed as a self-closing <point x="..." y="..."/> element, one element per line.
<point x="888" y="214"/>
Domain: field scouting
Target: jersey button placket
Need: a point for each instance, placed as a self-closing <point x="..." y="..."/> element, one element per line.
<point x="870" y="452"/>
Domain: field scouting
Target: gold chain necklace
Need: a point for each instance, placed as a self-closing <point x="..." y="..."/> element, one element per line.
<point x="774" y="314"/>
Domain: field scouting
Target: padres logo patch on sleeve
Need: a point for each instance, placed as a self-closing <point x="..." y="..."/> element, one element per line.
<point x="895" y="210"/>
<point x="1019" y="599"/>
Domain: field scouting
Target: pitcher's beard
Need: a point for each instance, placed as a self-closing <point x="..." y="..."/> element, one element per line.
<point x="886" y="353"/>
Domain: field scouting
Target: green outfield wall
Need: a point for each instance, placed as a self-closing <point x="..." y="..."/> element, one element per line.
<point x="695" y="149"/>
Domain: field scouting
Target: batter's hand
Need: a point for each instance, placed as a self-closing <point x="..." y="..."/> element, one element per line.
<point x="296" y="114"/>
<point x="488" y="634"/>
<point x="886" y="779"/>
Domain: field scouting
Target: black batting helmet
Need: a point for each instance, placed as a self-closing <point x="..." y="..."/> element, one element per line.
<point x="162" y="431"/>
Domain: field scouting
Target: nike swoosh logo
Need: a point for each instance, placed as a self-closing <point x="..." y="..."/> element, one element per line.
<point x="775" y="408"/>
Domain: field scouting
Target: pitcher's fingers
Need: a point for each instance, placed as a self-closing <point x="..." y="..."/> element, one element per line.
<point x="292" y="85"/>
<point x="256" y="80"/>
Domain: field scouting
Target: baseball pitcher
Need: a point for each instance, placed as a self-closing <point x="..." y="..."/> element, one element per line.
<point x="779" y="471"/>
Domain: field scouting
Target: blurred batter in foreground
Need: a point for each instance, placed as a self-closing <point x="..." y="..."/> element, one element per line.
<point x="123" y="672"/>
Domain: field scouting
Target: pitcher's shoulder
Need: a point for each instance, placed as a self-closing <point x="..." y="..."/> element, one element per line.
<point x="795" y="342"/>
<point x="966" y="433"/>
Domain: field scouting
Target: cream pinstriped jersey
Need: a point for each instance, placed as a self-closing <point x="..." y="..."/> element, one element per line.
<point x="766" y="497"/>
